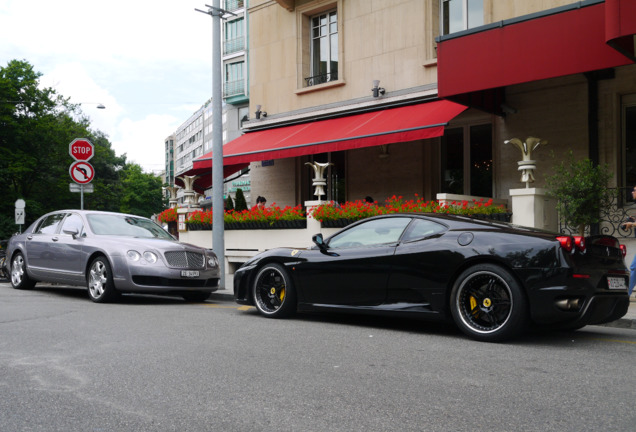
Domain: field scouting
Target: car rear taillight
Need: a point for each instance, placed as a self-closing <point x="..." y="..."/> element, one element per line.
<point x="567" y="243"/>
<point x="623" y="250"/>
<point x="579" y="242"/>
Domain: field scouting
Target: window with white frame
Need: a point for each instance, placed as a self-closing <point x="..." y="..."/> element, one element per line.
<point x="323" y="48"/>
<point x="234" y="37"/>
<point x="234" y="84"/>
<point x="458" y="15"/>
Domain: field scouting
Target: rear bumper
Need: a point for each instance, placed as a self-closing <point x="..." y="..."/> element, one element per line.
<point x="595" y="309"/>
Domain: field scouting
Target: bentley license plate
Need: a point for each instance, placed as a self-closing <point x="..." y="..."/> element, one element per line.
<point x="189" y="273"/>
<point x="616" y="283"/>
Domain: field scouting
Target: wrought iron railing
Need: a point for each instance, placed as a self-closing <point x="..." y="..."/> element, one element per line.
<point x="612" y="217"/>
<point x="321" y="79"/>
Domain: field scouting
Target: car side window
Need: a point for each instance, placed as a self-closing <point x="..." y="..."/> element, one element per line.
<point x="422" y="228"/>
<point x="374" y="232"/>
<point x="73" y="223"/>
<point x="50" y="224"/>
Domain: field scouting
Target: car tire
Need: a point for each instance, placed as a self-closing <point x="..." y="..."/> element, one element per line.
<point x="487" y="304"/>
<point x="273" y="292"/>
<point x="19" y="277"/>
<point x="101" y="288"/>
<point x="195" y="296"/>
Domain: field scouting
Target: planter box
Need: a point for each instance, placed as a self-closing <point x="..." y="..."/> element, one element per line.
<point x="279" y="224"/>
<point x="337" y="223"/>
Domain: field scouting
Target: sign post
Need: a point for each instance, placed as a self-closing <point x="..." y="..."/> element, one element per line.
<point x="82" y="173"/>
<point x="20" y="214"/>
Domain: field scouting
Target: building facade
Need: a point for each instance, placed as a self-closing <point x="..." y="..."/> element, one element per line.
<point x="408" y="97"/>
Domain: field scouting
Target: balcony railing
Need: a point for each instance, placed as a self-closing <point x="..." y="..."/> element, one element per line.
<point x="233" y="88"/>
<point x="232" y="5"/>
<point x="321" y="79"/>
<point x="234" y="45"/>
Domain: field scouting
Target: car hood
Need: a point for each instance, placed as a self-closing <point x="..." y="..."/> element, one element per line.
<point x="145" y="243"/>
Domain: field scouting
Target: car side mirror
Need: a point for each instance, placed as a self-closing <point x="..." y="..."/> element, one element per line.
<point x="319" y="241"/>
<point x="73" y="232"/>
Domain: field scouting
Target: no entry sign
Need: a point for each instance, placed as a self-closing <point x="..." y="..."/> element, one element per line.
<point x="81" y="149"/>
<point x="81" y="172"/>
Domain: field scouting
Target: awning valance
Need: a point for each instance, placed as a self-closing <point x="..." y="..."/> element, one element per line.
<point x="473" y="67"/>
<point x="388" y="126"/>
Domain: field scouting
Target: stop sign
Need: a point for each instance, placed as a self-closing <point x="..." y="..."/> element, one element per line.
<point x="81" y="149"/>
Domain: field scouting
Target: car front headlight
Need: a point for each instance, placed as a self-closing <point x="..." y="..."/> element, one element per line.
<point x="213" y="261"/>
<point x="150" y="257"/>
<point x="133" y="255"/>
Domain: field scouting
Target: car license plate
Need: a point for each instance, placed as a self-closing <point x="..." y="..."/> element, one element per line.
<point x="189" y="273"/>
<point x="616" y="283"/>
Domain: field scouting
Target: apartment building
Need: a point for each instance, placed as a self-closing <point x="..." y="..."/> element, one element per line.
<point x="193" y="138"/>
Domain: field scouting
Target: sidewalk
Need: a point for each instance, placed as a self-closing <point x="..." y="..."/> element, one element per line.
<point x="628" y="321"/>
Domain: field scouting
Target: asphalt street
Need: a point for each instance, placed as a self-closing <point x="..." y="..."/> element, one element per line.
<point x="151" y="363"/>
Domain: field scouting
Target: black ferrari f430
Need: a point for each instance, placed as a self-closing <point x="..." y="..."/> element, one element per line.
<point x="492" y="279"/>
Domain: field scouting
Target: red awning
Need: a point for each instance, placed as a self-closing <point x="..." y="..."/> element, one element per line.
<point x="562" y="42"/>
<point x="620" y="26"/>
<point x="393" y="125"/>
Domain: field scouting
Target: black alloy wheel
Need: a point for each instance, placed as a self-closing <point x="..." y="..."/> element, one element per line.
<point x="273" y="292"/>
<point x="488" y="305"/>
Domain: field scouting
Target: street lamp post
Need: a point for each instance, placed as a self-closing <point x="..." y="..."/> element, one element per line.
<point x="218" y="233"/>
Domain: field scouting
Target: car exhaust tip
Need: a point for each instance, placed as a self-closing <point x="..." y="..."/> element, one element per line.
<point x="569" y="304"/>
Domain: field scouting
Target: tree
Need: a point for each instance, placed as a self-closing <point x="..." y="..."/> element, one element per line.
<point x="36" y="127"/>
<point x="581" y="190"/>
<point x="229" y="204"/>
<point x="141" y="192"/>
<point x="240" y="203"/>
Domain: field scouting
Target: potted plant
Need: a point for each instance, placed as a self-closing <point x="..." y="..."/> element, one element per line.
<point x="581" y="191"/>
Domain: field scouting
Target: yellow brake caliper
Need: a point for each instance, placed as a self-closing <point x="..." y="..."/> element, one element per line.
<point x="281" y="294"/>
<point x="473" y="306"/>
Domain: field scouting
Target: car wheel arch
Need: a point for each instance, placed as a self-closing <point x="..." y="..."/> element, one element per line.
<point x="477" y="261"/>
<point x="257" y="269"/>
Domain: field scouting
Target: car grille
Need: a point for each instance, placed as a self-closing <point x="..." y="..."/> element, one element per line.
<point x="184" y="259"/>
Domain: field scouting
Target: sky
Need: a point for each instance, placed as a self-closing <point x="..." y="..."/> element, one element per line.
<point x="148" y="62"/>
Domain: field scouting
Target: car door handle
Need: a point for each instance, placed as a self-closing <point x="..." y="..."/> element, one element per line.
<point x="55" y="239"/>
<point x="30" y="237"/>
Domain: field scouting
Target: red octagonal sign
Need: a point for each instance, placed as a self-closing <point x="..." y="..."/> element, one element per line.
<point x="81" y="149"/>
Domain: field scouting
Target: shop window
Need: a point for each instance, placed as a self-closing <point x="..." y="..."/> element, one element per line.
<point x="628" y="126"/>
<point x="466" y="161"/>
<point x="335" y="176"/>
<point x="458" y="15"/>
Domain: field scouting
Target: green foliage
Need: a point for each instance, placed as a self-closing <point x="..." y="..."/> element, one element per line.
<point x="581" y="190"/>
<point x="141" y="192"/>
<point x="240" y="204"/>
<point x="229" y="203"/>
<point x="36" y="127"/>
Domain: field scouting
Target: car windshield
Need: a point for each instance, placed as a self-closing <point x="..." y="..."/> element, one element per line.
<point x="123" y="225"/>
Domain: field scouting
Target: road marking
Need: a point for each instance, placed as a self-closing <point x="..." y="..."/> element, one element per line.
<point x="241" y="308"/>
<point x="215" y="306"/>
